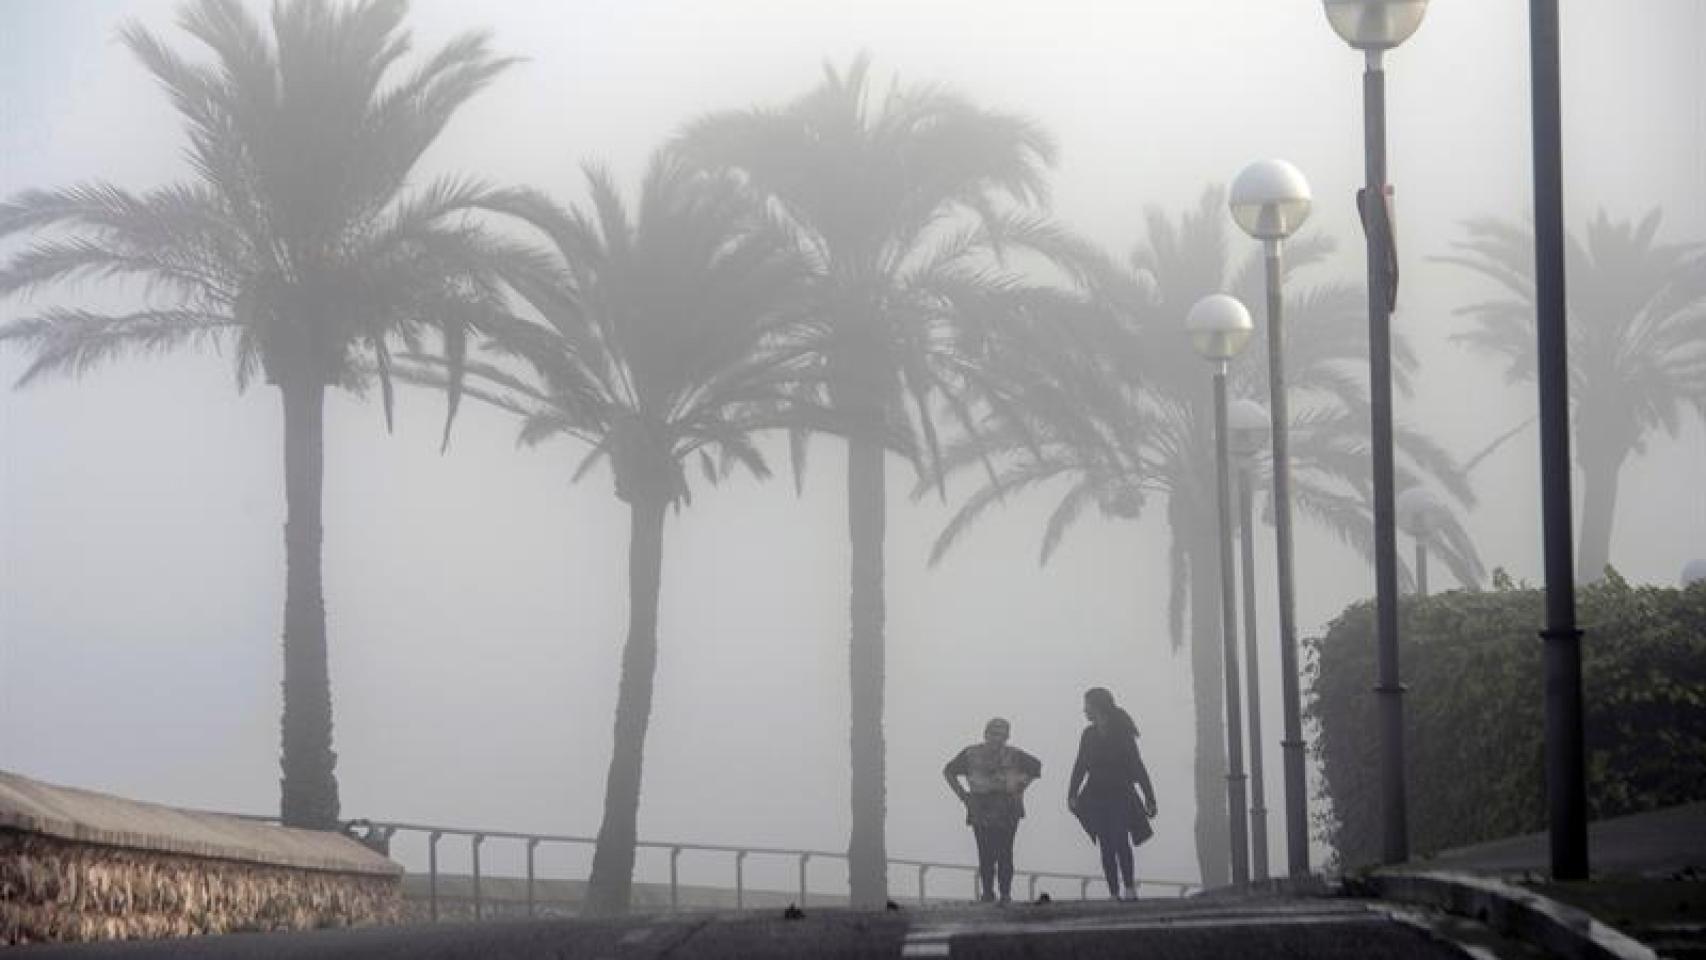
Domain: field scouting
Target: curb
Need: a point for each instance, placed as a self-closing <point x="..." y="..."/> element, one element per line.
<point x="1509" y="909"/>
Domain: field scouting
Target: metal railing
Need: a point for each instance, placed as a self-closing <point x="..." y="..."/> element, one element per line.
<point x="380" y="832"/>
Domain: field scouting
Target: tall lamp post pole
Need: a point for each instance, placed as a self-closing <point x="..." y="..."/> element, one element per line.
<point x="1375" y="26"/>
<point x="1270" y="199"/>
<point x="1566" y="770"/>
<point x="1248" y="423"/>
<point x="1219" y="327"/>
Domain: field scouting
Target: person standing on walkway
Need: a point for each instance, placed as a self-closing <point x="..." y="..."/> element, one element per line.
<point x="1110" y="810"/>
<point x="996" y="776"/>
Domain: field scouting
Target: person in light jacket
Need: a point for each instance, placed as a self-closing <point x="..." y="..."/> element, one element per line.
<point x="995" y="776"/>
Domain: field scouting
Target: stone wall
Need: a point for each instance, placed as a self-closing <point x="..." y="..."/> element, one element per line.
<point x="76" y="865"/>
<point x="56" y="890"/>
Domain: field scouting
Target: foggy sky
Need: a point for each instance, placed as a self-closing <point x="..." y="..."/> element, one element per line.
<point x="476" y="601"/>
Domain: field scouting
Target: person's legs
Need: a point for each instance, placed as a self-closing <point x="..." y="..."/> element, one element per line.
<point x="1122" y="851"/>
<point x="1110" y="868"/>
<point x="985" y="860"/>
<point x="1003" y="837"/>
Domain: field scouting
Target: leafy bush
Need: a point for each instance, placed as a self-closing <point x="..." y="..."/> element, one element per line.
<point x="1473" y="715"/>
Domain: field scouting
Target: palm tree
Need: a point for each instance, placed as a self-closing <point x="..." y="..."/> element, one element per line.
<point x="1637" y="320"/>
<point x="294" y="245"/>
<point x="895" y="203"/>
<point x="1117" y="410"/>
<point x="666" y="342"/>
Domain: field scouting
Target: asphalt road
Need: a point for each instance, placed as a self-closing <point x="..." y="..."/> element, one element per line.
<point x="1161" y="930"/>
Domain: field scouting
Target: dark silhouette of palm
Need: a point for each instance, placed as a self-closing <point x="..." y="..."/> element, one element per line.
<point x="894" y="201"/>
<point x="666" y="342"/>
<point x="1117" y="410"/>
<point x="1637" y="322"/>
<point x="294" y="246"/>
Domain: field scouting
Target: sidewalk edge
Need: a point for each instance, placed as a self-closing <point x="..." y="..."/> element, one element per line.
<point x="1509" y="909"/>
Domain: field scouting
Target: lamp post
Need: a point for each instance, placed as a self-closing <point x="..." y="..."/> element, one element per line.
<point x="1693" y="572"/>
<point x="1418" y="512"/>
<point x="1247" y="424"/>
<point x="1270" y="199"/>
<point x="1375" y="26"/>
<point x="1219" y="328"/>
<point x="1566" y="764"/>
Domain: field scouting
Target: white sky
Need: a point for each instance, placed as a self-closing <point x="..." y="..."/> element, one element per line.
<point x="477" y="601"/>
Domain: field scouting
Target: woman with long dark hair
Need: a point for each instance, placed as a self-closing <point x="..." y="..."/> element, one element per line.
<point x="1107" y="769"/>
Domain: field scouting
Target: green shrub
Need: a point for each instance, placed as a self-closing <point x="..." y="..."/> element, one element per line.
<point x="1473" y="715"/>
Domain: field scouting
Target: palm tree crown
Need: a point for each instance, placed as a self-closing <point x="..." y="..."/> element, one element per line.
<point x="1637" y="342"/>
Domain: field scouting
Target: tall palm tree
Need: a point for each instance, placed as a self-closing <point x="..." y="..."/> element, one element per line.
<point x="666" y="342"/>
<point x="894" y="201"/>
<point x="1637" y="341"/>
<point x="1117" y="411"/>
<point x="294" y="245"/>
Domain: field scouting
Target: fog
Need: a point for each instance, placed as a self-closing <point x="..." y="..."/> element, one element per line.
<point x="476" y="599"/>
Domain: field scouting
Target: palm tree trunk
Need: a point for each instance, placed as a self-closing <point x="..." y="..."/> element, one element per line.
<point x="1600" y="470"/>
<point x="613" y="861"/>
<point x="867" y="854"/>
<point x="309" y="788"/>
<point x="1214" y="850"/>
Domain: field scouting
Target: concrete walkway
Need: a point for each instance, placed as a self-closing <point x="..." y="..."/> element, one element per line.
<point x="1658" y="845"/>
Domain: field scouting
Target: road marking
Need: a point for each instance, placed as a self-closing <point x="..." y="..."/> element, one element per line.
<point x="930" y="941"/>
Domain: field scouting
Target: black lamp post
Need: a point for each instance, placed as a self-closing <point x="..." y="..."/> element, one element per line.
<point x="1219" y="328"/>
<point x="1566" y="769"/>
<point x="1375" y="26"/>
<point x="1269" y="200"/>
<point x="1248" y="429"/>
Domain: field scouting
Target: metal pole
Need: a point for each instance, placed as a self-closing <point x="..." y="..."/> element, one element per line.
<point x="1291" y="694"/>
<point x="432" y="874"/>
<point x="474" y="846"/>
<point x="1236" y="812"/>
<point x="1258" y="790"/>
<point x="674" y="877"/>
<point x="923" y="868"/>
<point x="532" y="844"/>
<point x="804" y="859"/>
<point x="1566" y="791"/>
<point x="740" y="880"/>
<point x="1395" y="835"/>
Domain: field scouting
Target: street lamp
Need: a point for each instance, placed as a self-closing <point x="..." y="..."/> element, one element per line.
<point x="1693" y="572"/>
<point x="1418" y="514"/>
<point x="1375" y="26"/>
<point x="1270" y="199"/>
<point x="1219" y="328"/>
<point x="1247" y="425"/>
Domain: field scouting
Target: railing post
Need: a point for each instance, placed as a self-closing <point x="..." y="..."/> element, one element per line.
<point x="474" y="846"/>
<point x="1031" y="888"/>
<point x="674" y="885"/>
<point x="432" y="873"/>
<point x="805" y="858"/>
<point x="1084" y="888"/>
<point x="532" y="844"/>
<point x="740" y="880"/>
<point x="923" y="869"/>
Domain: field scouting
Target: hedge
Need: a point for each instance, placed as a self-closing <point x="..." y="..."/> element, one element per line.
<point x="1474" y="708"/>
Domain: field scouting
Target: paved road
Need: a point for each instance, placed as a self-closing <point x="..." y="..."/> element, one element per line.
<point x="1163" y="930"/>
